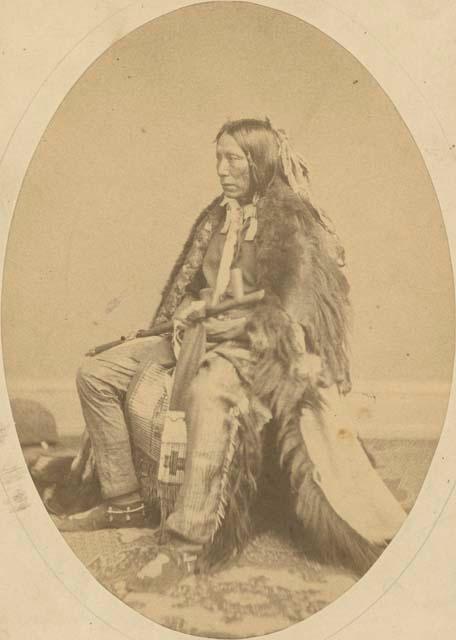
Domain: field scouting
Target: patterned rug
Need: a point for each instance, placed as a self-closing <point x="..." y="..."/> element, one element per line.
<point x="270" y="587"/>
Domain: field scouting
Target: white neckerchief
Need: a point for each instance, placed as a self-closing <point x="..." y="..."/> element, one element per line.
<point x="249" y="214"/>
<point x="236" y="217"/>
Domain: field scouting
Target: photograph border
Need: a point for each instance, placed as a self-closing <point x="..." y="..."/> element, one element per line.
<point x="24" y="512"/>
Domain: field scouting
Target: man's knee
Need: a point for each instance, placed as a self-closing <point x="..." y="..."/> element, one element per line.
<point x="89" y="370"/>
<point x="216" y="379"/>
<point x="202" y="386"/>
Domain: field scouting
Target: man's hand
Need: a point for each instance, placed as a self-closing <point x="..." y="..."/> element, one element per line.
<point x="183" y="317"/>
<point x="131" y="335"/>
<point x="192" y="311"/>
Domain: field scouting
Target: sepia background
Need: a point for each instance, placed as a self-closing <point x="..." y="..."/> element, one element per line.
<point x="128" y="162"/>
<point x="409" y="598"/>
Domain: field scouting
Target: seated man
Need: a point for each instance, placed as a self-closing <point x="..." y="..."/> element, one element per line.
<point x="277" y="364"/>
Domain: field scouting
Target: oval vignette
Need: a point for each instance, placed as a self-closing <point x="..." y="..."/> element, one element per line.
<point x="123" y="169"/>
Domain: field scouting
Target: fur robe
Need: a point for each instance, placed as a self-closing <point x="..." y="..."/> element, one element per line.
<point x="302" y="280"/>
<point x="304" y="287"/>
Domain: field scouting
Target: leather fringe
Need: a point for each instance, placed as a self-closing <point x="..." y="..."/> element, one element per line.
<point x="147" y="472"/>
<point x="238" y="491"/>
<point x="167" y="494"/>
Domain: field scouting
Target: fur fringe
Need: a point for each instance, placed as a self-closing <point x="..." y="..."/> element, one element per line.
<point x="281" y="379"/>
<point x="284" y="387"/>
<point x="295" y="265"/>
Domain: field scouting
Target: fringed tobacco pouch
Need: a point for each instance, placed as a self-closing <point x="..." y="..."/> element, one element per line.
<point x="159" y="438"/>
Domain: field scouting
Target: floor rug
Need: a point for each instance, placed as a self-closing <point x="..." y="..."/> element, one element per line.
<point x="270" y="587"/>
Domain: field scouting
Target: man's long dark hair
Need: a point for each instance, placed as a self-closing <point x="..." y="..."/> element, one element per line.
<point x="269" y="155"/>
<point x="258" y="141"/>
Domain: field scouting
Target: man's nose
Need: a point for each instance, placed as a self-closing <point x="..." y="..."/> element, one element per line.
<point x="223" y="168"/>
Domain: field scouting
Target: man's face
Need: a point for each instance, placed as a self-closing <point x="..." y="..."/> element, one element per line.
<point x="232" y="168"/>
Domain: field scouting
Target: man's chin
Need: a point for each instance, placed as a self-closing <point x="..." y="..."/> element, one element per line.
<point x="231" y="192"/>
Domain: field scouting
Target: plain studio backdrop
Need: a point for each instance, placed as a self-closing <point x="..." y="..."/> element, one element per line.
<point x="128" y="162"/>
